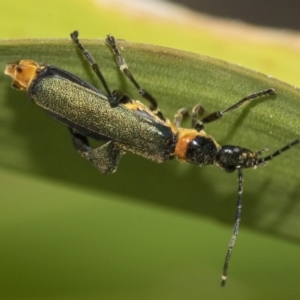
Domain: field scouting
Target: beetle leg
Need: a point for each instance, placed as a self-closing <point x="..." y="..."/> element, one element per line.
<point x="219" y="114"/>
<point x="74" y="36"/>
<point x="179" y="116"/>
<point x="105" y="158"/>
<point x="197" y="111"/>
<point x="114" y="97"/>
<point x="124" y="68"/>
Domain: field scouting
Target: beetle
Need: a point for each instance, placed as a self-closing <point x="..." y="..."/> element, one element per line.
<point x="127" y="125"/>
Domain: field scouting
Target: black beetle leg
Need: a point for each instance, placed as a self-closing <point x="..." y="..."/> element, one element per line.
<point x="219" y="114"/>
<point x="124" y="68"/>
<point x="74" y="36"/>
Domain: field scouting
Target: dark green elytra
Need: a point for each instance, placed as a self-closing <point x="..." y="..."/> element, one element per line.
<point x="88" y="111"/>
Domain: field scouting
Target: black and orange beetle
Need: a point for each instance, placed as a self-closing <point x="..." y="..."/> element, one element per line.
<point x="126" y="125"/>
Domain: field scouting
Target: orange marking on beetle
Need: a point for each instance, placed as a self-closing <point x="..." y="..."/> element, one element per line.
<point x="185" y="136"/>
<point x="23" y="73"/>
<point x="138" y="106"/>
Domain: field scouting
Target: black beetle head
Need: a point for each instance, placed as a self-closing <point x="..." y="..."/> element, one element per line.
<point x="231" y="158"/>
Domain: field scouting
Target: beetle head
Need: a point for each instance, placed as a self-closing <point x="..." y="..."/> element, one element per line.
<point x="231" y="158"/>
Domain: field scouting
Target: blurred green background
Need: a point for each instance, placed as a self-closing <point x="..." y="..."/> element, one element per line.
<point x="150" y="231"/>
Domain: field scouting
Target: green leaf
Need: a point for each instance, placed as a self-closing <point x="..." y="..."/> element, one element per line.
<point x="41" y="149"/>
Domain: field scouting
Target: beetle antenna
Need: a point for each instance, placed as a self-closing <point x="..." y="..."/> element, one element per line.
<point x="263" y="160"/>
<point x="235" y="232"/>
<point x="260" y="162"/>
